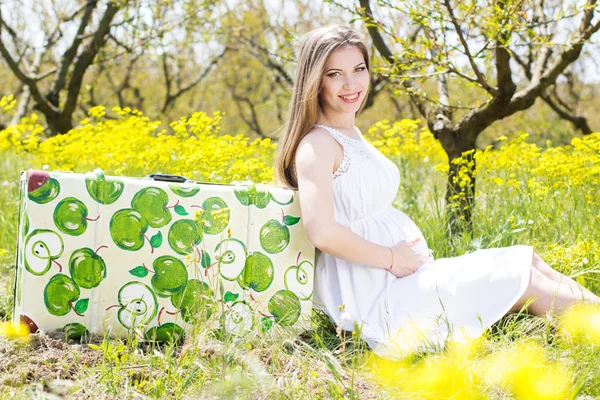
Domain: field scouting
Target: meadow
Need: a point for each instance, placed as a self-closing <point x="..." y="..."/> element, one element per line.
<point x="546" y="197"/>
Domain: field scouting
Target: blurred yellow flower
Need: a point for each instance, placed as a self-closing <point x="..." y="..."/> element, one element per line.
<point x="18" y="332"/>
<point x="523" y="369"/>
<point x="581" y="323"/>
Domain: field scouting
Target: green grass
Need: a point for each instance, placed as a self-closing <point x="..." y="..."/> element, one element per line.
<point x="318" y="363"/>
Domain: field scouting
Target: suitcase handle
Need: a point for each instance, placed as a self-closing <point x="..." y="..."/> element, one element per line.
<point x="168" y="178"/>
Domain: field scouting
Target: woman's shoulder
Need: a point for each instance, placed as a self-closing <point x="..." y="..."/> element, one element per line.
<point x="318" y="137"/>
<point x="319" y="145"/>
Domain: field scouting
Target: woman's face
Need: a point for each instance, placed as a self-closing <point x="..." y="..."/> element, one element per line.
<point x="345" y="76"/>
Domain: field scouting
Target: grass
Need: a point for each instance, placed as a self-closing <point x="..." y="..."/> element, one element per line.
<point x="319" y="363"/>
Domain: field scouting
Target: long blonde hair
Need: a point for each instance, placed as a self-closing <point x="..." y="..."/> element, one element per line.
<point x="304" y="108"/>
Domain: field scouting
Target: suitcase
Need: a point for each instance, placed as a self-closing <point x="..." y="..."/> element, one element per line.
<point x="158" y="256"/>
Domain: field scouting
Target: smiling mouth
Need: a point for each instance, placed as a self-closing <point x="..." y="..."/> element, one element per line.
<point x="351" y="97"/>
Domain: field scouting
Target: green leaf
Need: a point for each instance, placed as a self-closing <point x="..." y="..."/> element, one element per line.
<point x="139" y="272"/>
<point x="156" y="240"/>
<point x="180" y="210"/>
<point x="290" y="220"/>
<point x="205" y="262"/>
<point x="230" y="296"/>
<point x="82" y="305"/>
<point x="94" y="346"/>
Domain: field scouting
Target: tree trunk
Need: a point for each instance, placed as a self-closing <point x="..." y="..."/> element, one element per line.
<point x="460" y="187"/>
<point x="61" y="124"/>
<point x="460" y="200"/>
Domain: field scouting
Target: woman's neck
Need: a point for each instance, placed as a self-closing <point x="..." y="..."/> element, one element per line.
<point x="349" y="125"/>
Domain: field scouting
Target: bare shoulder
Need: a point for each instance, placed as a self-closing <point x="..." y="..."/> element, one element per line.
<point x="317" y="149"/>
<point x="319" y="142"/>
<point x="318" y="136"/>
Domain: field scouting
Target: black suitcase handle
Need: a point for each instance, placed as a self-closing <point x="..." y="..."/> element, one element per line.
<point x="168" y="178"/>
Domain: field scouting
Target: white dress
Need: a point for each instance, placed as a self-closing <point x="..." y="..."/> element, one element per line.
<point x="449" y="298"/>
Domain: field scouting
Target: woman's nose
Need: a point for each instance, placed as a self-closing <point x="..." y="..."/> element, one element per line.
<point x="348" y="83"/>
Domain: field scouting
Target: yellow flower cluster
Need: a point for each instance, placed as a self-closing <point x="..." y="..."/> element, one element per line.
<point x="133" y="146"/>
<point x="8" y="103"/>
<point x="466" y="371"/>
<point x="22" y="137"/>
<point x="406" y="140"/>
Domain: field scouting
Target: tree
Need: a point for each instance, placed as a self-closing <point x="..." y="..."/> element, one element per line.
<point x="70" y="71"/>
<point x="477" y="43"/>
<point x="115" y="37"/>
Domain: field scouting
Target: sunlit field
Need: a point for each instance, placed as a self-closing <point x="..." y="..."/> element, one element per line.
<point x="544" y="197"/>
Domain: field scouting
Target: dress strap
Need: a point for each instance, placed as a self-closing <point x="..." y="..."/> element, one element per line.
<point x="355" y="150"/>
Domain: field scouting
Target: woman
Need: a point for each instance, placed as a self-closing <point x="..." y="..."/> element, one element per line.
<point x="373" y="266"/>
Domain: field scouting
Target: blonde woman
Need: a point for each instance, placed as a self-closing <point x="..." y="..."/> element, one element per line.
<point x="373" y="266"/>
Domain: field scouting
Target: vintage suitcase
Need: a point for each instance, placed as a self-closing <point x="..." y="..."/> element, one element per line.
<point x="157" y="256"/>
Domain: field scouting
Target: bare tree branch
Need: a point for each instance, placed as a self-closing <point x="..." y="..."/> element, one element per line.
<point x="87" y="56"/>
<point x="70" y="53"/>
<point x="480" y="78"/>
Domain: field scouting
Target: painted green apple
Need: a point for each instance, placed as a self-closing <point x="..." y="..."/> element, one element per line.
<point x="170" y="276"/>
<point x="168" y="332"/>
<point x="127" y="229"/>
<point x="184" y="235"/>
<point x="151" y="202"/>
<point x="248" y="193"/>
<point x="299" y="279"/>
<point x="239" y="318"/>
<point x="59" y="294"/>
<point x="274" y="237"/>
<point x="285" y="307"/>
<point x="138" y="305"/>
<point x="74" y="331"/>
<point x="87" y="268"/>
<point x="215" y="216"/>
<point x="231" y="256"/>
<point x="70" y="216"/>
<point x="195" y="300"/>
<point x="42" y="248"/>
<point x="41" y="188"/>
<point x="104" y="191"/>
<point x="258" y="273"/>
<point x="184" y="190"/>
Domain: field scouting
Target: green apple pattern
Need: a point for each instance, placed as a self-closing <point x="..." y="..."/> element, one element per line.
<point x="170" y="276"/>
<point x="184" y="190"/>
<point x="41" y="188"/>
<point x="42" y="248"/>
<point x="104" y="191"/>
<point x="239" y="318"/>
<point x="87" y="268"/>
<point x="204" y="267"/>
<point x="231" y="255"/>
<point x="249" y="194"/>
<point x="71" y="216"/>
<point x="298" y="279"/>
<point x="138" y="305"/>
<point x="74" y="330"/>
<point x="184" y="236"/>
<point x="61" y="295"/>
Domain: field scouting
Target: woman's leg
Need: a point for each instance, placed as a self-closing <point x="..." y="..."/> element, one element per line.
<point x="548" y="295"/>
<point x="556" y="276"/>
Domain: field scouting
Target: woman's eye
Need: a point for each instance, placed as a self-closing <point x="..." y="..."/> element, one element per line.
<point x="357" y="69"/>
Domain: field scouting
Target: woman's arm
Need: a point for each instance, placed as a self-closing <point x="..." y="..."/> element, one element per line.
<point x="315" y="159"/>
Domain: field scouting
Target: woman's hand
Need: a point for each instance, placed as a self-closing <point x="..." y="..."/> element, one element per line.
<point x="406" y="260"/>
